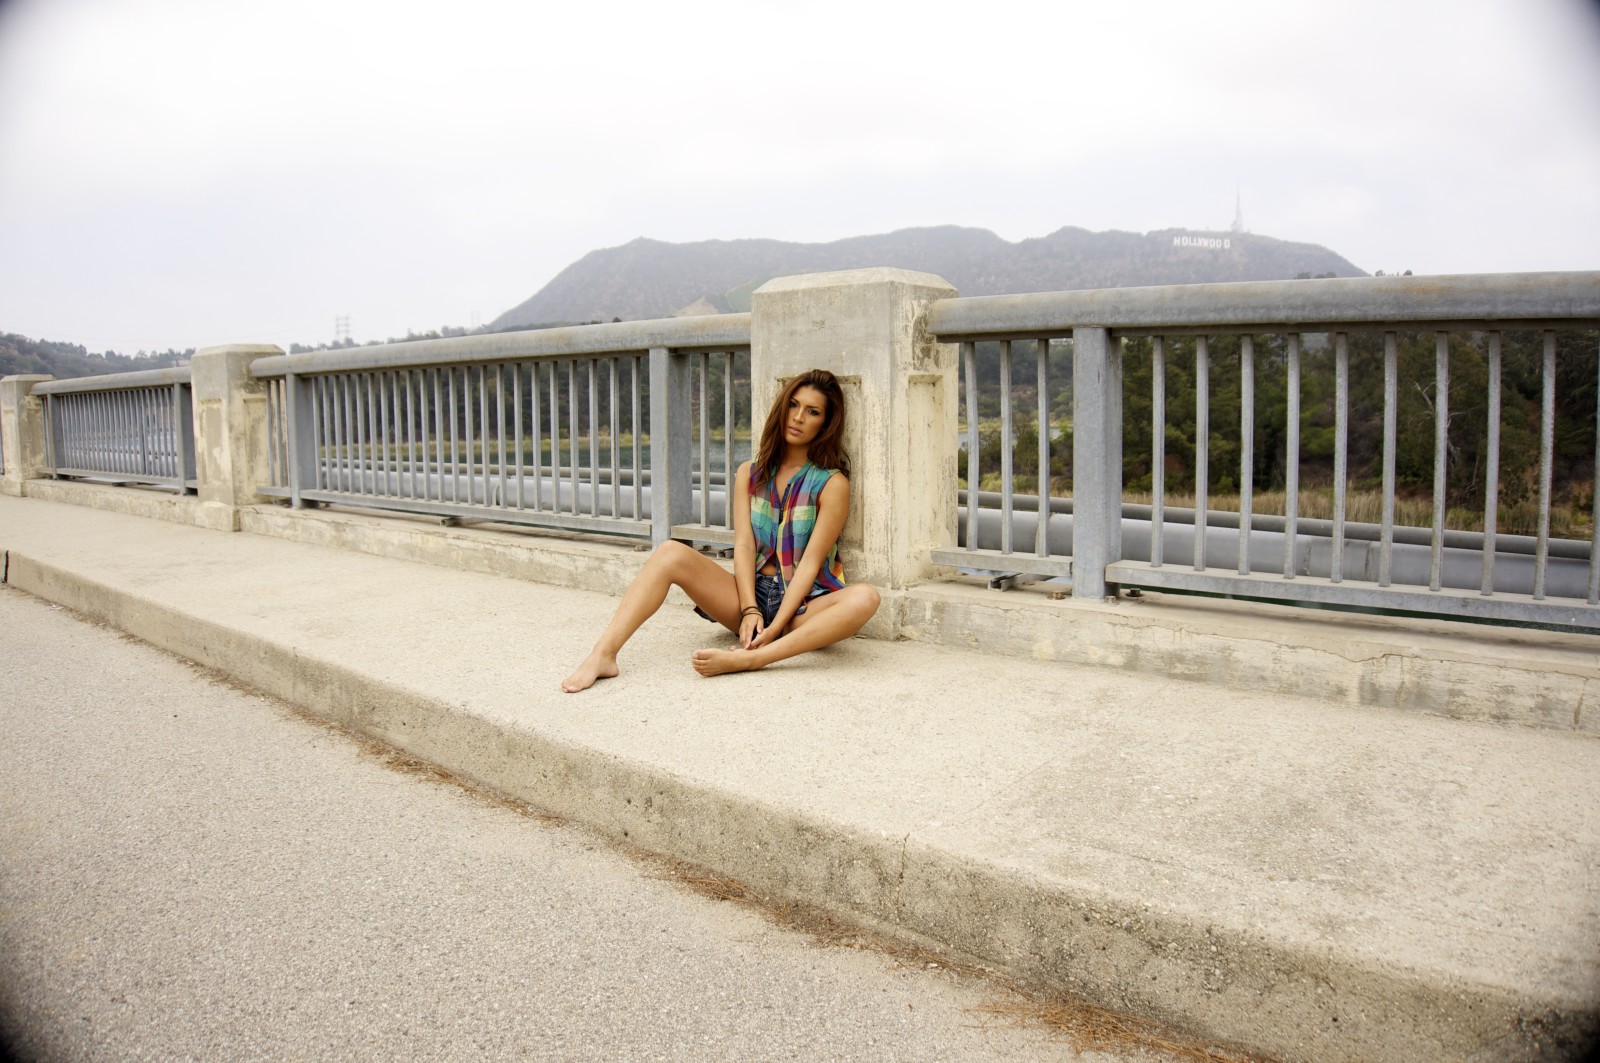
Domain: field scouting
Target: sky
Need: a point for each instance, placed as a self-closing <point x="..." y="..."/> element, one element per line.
<point x="184" y="173"/>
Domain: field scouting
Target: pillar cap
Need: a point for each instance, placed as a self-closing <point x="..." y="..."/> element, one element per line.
<point x="853" y="277"/>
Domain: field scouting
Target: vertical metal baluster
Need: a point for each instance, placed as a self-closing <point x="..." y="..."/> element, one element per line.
<point x="572" y="427"/>
<point x="487" y="425"/>
<point x="1341" y="448"/>
<point x="452" y="416"/>
<point x="351" y="432"/>
<point x="594" y="441"/>
<point x="704" y="362"/>
<point x="1158" y="451"/>
<point x="969" y="361"/>
<point x="638" y="436"/>
<point x="614" y="364"/>
<point x="477" y="430"/>
<point x="399" y="398"/>
<point x="336" y="390"/>
<point x="1202" y="447"/>
<point x="441" y="438"/>
<point x="1547" y="438"/>
<point x="727" y="440"/>
<point x="1594" y="500"/>
<point x="516" y="402"/>
<point x="536" y="434"/>
<point x="1247" y="446"/>
<point x="320" y="426"/>
<point x="374" y="428"/>
<point x="400" y="433"/>
<point x="344" y="425"/>
<point x="328" y="451"/>
<point x="1441" y="443"/>
<point x="415" y="426"/>
<point x="1005" y="447"/>
<point x="555" y="436"/>
<point x="1291" y="483"/>
<point x="1391" y="395"/>
<point x="272" y="433"/>
<point x="436" y="479"/>
<point x="500" y="435"/>
<point x="1041" y="531"/>
<point x="1491" y="475"/>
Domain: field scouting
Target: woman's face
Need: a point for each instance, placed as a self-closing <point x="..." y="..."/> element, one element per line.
<point x="803" y="421"/>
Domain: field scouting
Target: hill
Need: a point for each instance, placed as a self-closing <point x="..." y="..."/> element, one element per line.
<point x="652" y="278"/>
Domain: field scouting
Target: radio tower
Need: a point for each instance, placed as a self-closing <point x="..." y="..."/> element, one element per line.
<point x="1238" y="212"/>
<point x="341" y="328"/>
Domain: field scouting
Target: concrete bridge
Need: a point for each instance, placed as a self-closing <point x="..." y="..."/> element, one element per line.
<point x="1316" y="835"/>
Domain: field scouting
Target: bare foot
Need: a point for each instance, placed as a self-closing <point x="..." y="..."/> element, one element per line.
<point x="720" y="662"/>
<point x="595" y="666"/>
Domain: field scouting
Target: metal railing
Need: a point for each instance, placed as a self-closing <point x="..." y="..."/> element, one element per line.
<point x="1099" y="541"/>
<point x="125" y="427"/>
<point x="574" y="428"/>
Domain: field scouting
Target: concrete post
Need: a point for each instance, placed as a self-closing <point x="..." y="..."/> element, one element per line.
<point x="22" y="439"/>
<point x="230" y="428"/>
<point x="867" y="327"/>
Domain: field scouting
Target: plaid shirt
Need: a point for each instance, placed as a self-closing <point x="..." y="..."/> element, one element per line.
<point x="781" y="522"/>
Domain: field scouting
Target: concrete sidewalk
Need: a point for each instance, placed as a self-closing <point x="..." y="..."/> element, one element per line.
<point x="1312" y="879"/>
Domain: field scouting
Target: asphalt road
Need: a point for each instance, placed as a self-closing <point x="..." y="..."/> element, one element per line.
<point x="188" y="871"/>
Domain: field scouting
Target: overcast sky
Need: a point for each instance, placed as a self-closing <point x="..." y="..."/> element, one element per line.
<point x="178" y="173"/>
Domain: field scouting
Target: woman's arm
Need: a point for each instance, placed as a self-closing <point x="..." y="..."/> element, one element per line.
<point x="833" y="506"/>
<point x="744" y="557"/>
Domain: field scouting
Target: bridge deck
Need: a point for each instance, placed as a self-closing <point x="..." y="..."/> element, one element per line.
<point x="1315" y="879"/>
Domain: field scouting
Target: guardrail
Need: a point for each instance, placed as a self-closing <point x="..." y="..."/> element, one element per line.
<point x="575" y="428"/>
<point x="125" y="427"/>
<point x="1103" y="542"/>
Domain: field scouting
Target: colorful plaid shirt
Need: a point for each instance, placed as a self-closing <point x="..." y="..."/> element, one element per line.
<point x="781" y="522"/>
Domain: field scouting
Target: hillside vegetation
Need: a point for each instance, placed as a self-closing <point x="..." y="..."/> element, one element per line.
<point x="19" y="354"/>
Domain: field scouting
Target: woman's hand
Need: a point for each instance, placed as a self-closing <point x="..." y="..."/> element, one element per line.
<point x="764" y="636"/>
<point x="751" y="628"/>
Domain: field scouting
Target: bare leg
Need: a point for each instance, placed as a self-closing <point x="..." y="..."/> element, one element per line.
<point x="829" y="619"/>
<point x="707" y="582"/>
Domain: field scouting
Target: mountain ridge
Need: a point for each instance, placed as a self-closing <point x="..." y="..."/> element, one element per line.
<point x="648" y="278"/>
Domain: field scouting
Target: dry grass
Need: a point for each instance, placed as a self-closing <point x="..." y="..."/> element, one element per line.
<point x="1088" y="1027"/>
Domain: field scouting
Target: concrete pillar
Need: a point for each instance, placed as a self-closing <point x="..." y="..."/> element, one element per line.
<point x="21" y="431"/>
<point x="230" y="430"/>
<point x="866" y="326"/>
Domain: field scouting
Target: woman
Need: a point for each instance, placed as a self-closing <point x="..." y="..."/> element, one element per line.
<point x="787" y="593"/>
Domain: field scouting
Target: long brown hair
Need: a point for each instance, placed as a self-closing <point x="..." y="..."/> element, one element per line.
<point x="827" y="450"/>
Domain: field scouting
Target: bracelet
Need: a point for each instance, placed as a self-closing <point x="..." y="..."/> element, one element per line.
<point x="747" y="610"/>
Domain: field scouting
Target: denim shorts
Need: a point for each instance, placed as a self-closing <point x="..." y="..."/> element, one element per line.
<point x="769" y="596"/>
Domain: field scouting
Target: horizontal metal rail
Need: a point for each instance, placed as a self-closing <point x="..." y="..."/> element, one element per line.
<point x="717" y="332"/>
<point x="1506" y="300"/>
<point x="1291" y="318"/>
<point x="123" y="427"/>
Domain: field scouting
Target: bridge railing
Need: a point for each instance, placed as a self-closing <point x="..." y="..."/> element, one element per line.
<point x="1099" y="540"/>
<point x="579" y="428"/>
<point x="129" y="427"/>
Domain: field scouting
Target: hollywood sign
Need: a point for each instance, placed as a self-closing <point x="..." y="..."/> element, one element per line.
<point x="1215" y="243"/>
